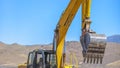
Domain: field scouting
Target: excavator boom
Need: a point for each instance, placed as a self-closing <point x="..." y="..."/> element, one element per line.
<point x="87" y="44"/>
<point x="63" y="26"/>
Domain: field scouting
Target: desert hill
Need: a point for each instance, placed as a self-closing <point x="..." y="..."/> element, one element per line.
<point x="14" y="54"/>
<point x="114" y="38"/>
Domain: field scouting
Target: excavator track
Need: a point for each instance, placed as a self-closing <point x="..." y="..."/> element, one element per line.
<point x="96" y="49"/>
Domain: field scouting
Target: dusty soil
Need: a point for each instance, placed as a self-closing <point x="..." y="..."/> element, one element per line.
<point x="14" y="54"/>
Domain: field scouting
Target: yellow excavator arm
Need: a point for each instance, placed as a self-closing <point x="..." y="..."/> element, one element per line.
<point x="65" y="21"/>
<point x="93" y="44"/>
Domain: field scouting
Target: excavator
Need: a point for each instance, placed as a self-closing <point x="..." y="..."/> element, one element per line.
<point x="93" y="44"/>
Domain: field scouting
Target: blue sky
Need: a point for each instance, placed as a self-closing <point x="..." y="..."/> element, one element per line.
<point x="34" y="21"/>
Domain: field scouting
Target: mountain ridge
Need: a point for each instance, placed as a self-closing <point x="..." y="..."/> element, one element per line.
<point x="114" y="38"/>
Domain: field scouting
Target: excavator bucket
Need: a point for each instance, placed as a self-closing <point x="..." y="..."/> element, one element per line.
<point x="96" y="48"/>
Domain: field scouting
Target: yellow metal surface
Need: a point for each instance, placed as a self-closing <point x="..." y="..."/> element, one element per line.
<point x="85" y="11"/>
<point x="22" y="66"/>
<point x="74" y="59"/>
<point x="88" y="4"/>
<point x="68" y="66"/>
<point x="63" y="26"/>
<point x="59" y="53"/>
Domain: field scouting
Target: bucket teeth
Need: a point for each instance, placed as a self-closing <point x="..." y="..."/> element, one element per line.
<point x="94" y="54"/>
<point x="94" y="47"/>
<point x="93" y="59"/>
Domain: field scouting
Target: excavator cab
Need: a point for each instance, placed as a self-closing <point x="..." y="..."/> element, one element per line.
<point x="41" y="59"/>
